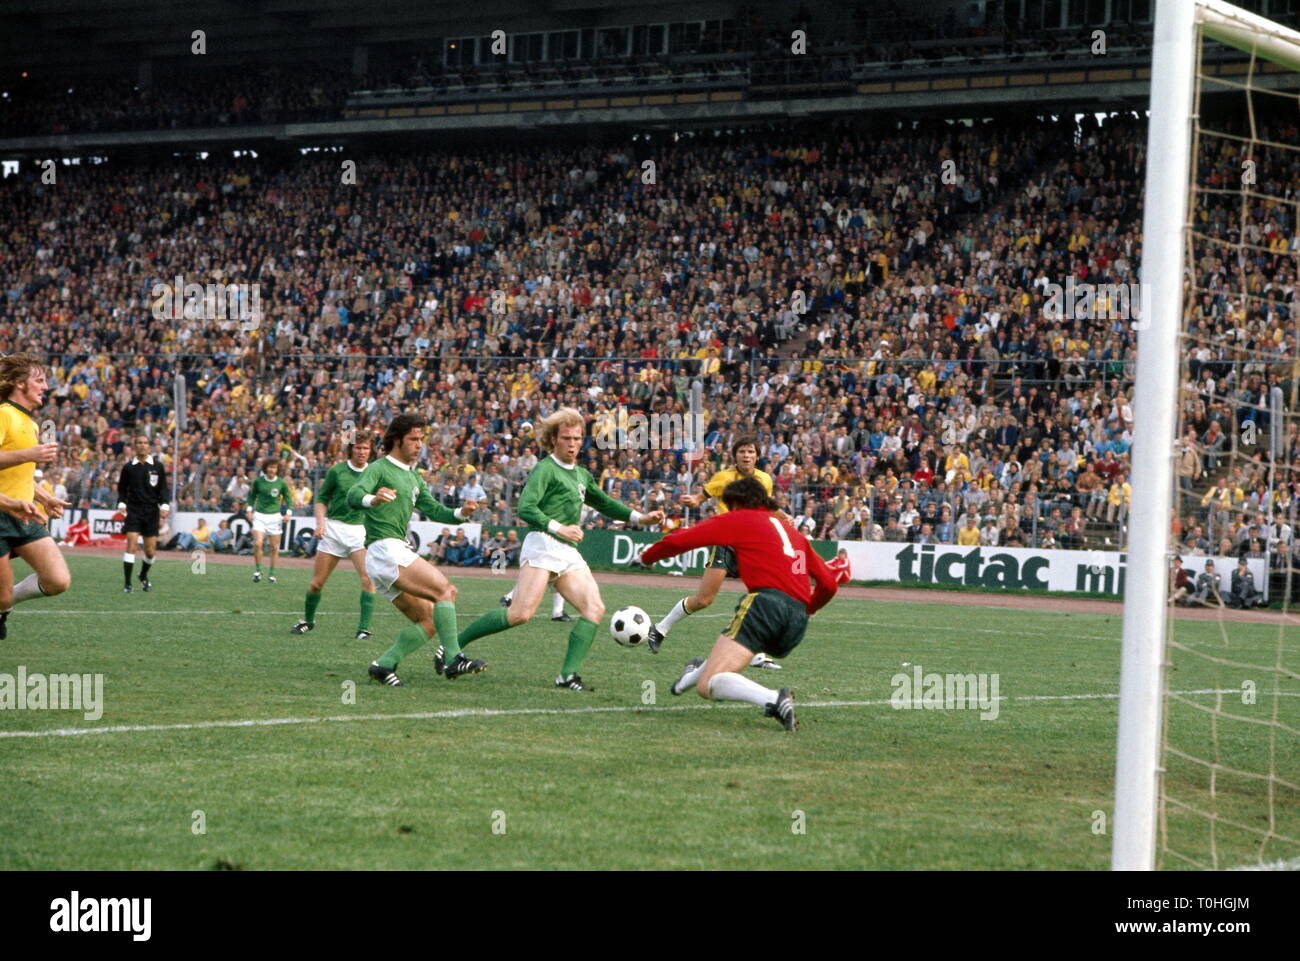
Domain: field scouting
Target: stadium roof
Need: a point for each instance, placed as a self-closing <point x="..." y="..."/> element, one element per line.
<point x="89" y="36"/>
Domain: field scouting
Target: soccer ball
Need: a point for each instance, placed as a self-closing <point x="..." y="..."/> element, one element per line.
<point x="630" y="626"/>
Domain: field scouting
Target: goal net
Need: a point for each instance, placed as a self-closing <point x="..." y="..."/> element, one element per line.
<point x="1208" y="767"/>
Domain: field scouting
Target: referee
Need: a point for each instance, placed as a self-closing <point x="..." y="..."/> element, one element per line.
<point x="141" y="488"/>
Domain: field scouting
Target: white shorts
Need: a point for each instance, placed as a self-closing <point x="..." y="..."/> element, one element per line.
<point x="342" y="540"/>
<point x="384" y="561"/>
<point x="268" y="524"/>
<point x="541" y="550"/>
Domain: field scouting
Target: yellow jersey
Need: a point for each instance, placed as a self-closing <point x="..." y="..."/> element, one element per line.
<point x="722" y="478"/>
<point x="17" y="432"/>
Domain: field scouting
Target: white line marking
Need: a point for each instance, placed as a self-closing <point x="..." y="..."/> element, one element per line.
<point x="1292" y="865"/>
<point x="516" y="712"/>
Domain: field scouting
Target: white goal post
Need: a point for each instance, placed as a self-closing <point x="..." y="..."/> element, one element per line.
<point x="1169" y="160"/>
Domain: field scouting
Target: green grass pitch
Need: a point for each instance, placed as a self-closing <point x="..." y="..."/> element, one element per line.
<point x="511" y="773"/>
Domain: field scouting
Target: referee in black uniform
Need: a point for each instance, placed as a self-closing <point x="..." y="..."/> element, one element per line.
<point x="142" y="490"/>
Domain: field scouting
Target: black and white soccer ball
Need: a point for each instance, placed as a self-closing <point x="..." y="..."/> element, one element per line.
<point x="630" y="626"/>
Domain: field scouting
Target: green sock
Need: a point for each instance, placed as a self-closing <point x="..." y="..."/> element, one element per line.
<point x="257" y="568"/>
<point x="367" y="610"/>
<point x="410" y="640"/>
<point x="444" y="619"/>
<point x="309" y="612"/>
<point x="492" y="622"/>
<point x="580" y="638"/>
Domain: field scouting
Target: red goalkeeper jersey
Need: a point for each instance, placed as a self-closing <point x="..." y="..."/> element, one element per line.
<point x="769" y="553"/>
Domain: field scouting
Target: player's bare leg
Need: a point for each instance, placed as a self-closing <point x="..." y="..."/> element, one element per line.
<point x="49" y="573"/>
<point x="428" y="600"/>
<point x="527" y="594"/>
<point x="705" y="594"/>
<point x="6" y="595"/>
<point x="359" y="562"/>
<point x="275" y="555"/>
<point x="719" y="678"/>
<point x="324" y="567"/>
<point x="557" y="604"/>
<point x="257" y="556"/>
<point x="580" y="589"/>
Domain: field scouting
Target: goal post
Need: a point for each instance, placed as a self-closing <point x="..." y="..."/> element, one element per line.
<point x="1166" y="245"/>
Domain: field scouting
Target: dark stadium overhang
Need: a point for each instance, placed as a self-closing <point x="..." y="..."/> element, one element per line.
<point x="1065" y="89"/>
<point x="85" y="37"/>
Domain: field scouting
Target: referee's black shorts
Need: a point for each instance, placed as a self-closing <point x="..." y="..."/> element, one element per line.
<point x="142" y="521"/>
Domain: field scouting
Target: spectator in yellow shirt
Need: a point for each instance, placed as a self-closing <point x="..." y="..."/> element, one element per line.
<point x="956" y="466"/>
<point x="969" y="536"/>
<point x="1119" y="497"/>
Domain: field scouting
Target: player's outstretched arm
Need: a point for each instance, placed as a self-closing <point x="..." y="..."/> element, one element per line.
<point x="438" y="512"/>
<point x="617" y="510"/>
<point x="704" y="534"/>
<point x="827" y="585"/>
<point x="53" y="506"/>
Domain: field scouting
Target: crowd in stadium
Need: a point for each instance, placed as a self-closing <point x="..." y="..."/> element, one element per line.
<point x="879" y="318"/>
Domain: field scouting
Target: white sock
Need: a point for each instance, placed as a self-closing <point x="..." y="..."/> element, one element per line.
<point x="733" y="687"/>
<point x="672" y="617"/>
<point x="128" y="558"/>
<point x="148" y="558"/>
<point x="557" y="605"/>
<point x="29" y="587"/>
<point x="687" y="680"/>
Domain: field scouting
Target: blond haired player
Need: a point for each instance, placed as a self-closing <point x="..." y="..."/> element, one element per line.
<point x="722" y="560"/>
<point x="22" y="527"/>
<point x="551" y="505"/>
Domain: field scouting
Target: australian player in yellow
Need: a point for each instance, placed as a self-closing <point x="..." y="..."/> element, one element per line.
<point x="23" y="531"/>
<point x="722" y="561"/>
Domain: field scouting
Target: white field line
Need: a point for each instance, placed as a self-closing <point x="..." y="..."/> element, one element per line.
<point x="515" y="712"/>
<point x="694" y="617"/>
<point x="1292" y="865"/>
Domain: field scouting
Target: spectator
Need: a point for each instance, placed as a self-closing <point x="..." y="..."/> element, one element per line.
<point x="1207" y="587"/>
<point x="1244" y="594"/>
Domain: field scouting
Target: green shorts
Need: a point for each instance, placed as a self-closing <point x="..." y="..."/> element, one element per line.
<point x="724" y="559"/>
<point x="15" y="533"/>
<point x="768" y="621"/>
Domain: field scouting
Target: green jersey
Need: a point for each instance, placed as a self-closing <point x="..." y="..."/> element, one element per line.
<point x="265" y="495"/>
<point x="556" y="492"/>
<point x="333" y="493"/>
<point x="392" y="519"/>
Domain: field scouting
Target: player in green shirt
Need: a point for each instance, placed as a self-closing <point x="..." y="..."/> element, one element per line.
<point x="551" y="505"/>
<point x="340" y="532"/>
<point x="387" y="492"/>
<point x="266" y="515"/>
